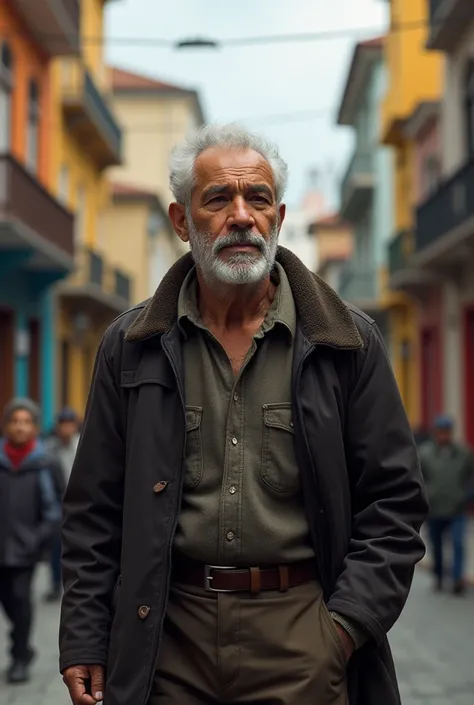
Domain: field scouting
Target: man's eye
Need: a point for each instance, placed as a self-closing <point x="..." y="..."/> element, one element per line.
<point x="217" y="199"/>
<point x="259" y="199"/>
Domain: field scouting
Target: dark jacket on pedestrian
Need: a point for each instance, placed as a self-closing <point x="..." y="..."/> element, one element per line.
<point x="29" y="510"/>
<point x="449" y="472"/>
<point x="362" y="484"/>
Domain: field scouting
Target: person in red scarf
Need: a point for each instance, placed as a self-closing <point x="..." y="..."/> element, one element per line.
<point x="29" y="516"/>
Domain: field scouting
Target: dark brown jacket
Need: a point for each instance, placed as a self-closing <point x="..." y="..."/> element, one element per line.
<point x="362" y="484"/>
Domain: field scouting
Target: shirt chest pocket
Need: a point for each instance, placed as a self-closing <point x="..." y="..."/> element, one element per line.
<point x="194" y="456"/>
<point x="279" y="470"/>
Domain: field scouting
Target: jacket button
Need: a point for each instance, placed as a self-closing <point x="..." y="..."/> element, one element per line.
<point x="144" y="611"/>
<point x="160" y="486"/>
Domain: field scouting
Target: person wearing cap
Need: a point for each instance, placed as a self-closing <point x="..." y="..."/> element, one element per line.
<point x="63" y="446"/>
<point x="448" y="468"/>
<point x="29" y="516"/>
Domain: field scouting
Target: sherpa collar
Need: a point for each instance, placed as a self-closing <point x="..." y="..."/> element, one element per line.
<point x="323" y="316"/>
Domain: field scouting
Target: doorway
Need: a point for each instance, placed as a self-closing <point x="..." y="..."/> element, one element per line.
<point x="430" y="376"/>
<point x="34" y="361"/>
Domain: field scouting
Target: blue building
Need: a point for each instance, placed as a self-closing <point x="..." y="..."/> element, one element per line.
<point x="366" y="189"/>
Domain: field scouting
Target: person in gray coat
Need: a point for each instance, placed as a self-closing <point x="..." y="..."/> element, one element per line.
<point x="448" y="468"/>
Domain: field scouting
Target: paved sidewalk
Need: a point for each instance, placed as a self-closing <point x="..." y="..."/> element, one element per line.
<point x="432" y="645"/>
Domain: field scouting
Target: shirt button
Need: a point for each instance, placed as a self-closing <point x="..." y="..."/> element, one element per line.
<point x="232" y="489"/>
<point x="236" y="397"/>
<point x="230" y="536"/>
<point x="234" y="441"/>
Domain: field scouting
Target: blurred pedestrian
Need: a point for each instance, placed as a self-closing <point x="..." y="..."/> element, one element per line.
<point x="29" y="516"/>
<point x="242" y="519"/>
<point x="448" y="468"/>
<point x="62" y="444"/>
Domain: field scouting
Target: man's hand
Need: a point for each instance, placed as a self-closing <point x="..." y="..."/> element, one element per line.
<point x="347" y="641"/>
<point x="85" y="684"/>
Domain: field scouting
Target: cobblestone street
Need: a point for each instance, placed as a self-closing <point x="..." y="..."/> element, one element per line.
<point x="432" y="645"/>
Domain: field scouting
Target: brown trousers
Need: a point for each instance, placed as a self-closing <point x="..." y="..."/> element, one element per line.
<point x="268" y="649"/>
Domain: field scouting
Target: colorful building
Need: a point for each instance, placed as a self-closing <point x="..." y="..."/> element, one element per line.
<point x="414" y="78"/>
<point x="154" y="115"/>
<point x="366" y="189"/>
<point x="332" y="247"/>
<point x="36" y="229"/>
<point x="87" y="139"/>
<point x="438" y="267"/>
<point x="139" y="236"/>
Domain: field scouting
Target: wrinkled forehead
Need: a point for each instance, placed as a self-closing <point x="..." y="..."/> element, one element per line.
<point x="233" y="167"/>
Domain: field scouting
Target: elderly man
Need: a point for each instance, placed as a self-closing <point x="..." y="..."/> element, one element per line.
<point x="242" y="519"/>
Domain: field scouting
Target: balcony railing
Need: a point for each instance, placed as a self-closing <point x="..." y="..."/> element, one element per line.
<point x="450" y="207"/>
<point x="399" y="250"/>
<point x="54" y="24"/>
<point x="357" y="184"/>
<point x="95" y="279"/>
<point x="23" y="200"/>
<point x="96" y="268"/>
<point x="88" y="114"/>
<point x="358" y="283"/>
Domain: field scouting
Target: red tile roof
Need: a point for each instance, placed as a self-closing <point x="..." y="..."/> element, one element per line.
<point x="120" y="189"/>
<point x="126" y="80"/>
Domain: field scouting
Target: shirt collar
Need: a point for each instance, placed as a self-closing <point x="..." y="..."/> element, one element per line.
<point x="282" y="311"/>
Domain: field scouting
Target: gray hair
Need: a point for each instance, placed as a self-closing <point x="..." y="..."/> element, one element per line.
<point x="21" y="404"/>
<point x="183" y="156"/>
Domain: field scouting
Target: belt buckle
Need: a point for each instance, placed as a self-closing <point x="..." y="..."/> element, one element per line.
<point x="208" y="578"/>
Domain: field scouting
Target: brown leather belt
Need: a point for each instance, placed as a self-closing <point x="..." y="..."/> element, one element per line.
<point x="215" y="578"/>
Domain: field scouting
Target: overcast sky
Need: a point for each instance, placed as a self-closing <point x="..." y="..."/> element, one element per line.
<point x="261" y="80"/>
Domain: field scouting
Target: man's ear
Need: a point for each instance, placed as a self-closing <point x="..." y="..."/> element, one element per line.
<point x="177" y="214"/>
<point x="281" y="213"/>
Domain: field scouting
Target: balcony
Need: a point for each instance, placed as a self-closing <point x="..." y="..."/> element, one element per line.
<point x="357" y="187"/>
<point x="96" y="287"/>
<point x="448" y="20"/>
<point x="445" y="223"/>
<point x="53" y="23"/>
<point x="34" y="226"/>
<point x="88" y="116"/>
<point x="358" y="285"/>
<point x="404" y="273"/>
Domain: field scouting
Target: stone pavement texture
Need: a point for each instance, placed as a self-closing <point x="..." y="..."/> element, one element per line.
<point x="432" y="643"/>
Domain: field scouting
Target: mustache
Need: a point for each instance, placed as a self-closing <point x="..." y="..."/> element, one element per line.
<point x="239" y="237"/>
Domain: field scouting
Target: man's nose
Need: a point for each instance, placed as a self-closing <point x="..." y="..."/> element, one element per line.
<point x="240" y="215"/>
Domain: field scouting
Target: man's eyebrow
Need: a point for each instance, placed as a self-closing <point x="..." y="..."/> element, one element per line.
<point x="260" y="188"/>
<point x="215" y="190"/>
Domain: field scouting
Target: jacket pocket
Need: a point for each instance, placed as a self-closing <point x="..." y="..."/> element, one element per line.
<point x="194" y="459"/>
<point x="279" y="470"/>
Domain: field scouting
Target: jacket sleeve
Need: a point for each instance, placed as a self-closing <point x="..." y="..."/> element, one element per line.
<point x="388" y="499"/>
<point x="92" y="524"/>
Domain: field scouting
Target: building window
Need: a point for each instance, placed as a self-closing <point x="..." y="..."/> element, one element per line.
<point x="6" y="90"/>
<point x="33" y="125"/>
<point x="469" y="96"/>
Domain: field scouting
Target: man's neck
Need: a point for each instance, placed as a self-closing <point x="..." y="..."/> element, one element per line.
<point x="229" y="307"/>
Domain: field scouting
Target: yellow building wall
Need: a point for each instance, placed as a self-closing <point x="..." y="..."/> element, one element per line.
<point x="125" y="242"/>
<point x="415" y="75"/>
<point x="83" y="176"/>
<point x="152" y="126"/>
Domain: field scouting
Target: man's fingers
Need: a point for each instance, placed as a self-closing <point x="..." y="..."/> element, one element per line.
<point x="85" y="684"/>
<point x="77" y="690"/>
<point x="97" y="682"/>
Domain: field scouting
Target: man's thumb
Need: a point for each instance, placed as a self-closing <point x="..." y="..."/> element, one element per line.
<point x="97" y="682"/>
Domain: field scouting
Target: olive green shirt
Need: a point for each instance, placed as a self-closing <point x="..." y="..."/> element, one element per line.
<point x="242" y="498"/>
